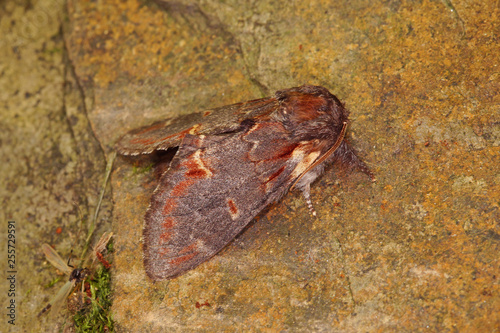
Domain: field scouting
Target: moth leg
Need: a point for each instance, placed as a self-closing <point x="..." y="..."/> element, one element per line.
<point x="306" y="192"/>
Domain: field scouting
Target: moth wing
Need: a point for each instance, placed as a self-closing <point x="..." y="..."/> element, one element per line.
<point x="103" y="242"/>
<point x="60" y="297"/>
<point x="101" y="245"/>
<point x="170" y="132"/>
<point x="215" y="186"/>
<point x="55" y="259"/>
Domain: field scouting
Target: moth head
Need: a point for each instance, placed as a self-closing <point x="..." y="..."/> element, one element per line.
<point x="312" y="112"/>
<point x="79" y="274"/>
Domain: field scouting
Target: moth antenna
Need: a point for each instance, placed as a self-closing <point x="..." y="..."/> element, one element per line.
<point x="325" y="155"/>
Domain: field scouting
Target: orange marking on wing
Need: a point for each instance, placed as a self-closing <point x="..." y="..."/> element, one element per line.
<point x="151" y="128"/>
<point x="194" y="170"/>
<point x="189" y="248"/>
<point x="143" y="141"/>
<point x="232" y="207"/>
<point x="280" y="149"/>
<point x="206" y="113"/>
<point x="164" y="251"/>
<point x="148" y="141"/>
<point x="287" y="151"/>
<point x="194" y="129"/>
<point x="167" y="233"/>
<point x="169" y="205"/>
<point x="181" y="188"/>
<point x="181" y="259"/>
<point x="165" y="237"/>
<point x="197" y="166"/>
<point x="276" y="174"/>
<point x="168" y="223"/>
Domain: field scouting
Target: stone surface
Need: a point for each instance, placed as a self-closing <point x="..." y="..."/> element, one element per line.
<point x="52" y="167"/>
<point x="417" y="250"/>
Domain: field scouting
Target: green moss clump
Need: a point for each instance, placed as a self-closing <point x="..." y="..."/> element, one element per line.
<point x="97" y="316"/>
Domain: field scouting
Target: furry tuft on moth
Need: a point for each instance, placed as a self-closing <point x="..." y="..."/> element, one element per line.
<point x="231" y="163"/>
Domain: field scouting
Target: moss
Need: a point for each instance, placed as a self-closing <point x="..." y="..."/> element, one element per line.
<point x="137" y="170"/>
<point x="97" y="316"/>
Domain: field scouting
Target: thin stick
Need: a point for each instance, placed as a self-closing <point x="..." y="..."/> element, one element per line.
<point x="109" y="168"/>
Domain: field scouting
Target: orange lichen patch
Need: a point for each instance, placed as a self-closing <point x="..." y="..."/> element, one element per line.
<point x="386" y="206"/>
<point x="109" y="50"/>
<point x="199" y="305"/>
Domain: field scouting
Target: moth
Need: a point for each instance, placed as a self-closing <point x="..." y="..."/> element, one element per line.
<point x="76" y="275"/>
<point x="231" y="163"/>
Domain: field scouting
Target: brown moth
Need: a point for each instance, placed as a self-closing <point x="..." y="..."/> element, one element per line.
<point x="231" y="163"/>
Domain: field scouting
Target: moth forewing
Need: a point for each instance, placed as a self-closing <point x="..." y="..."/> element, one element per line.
<point x="103" y="242"/>
<point x="55" y="259"/>
<point x="57" y="301"/>
<point x="100" y="247"/>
